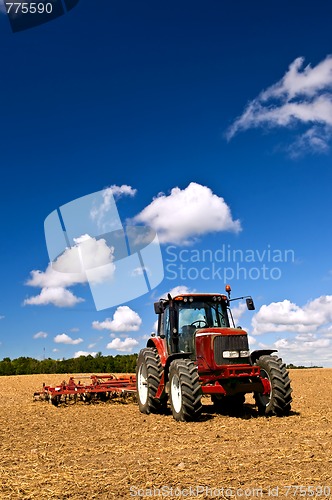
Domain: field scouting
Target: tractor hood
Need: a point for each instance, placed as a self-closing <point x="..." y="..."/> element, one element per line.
<point x="220" y="331"/>
<point x="216" y="347"/>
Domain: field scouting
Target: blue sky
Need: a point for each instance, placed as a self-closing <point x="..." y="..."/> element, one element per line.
<point x="211" y="98"/>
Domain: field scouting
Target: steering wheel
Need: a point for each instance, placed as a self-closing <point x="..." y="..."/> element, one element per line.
<point x="199" y="321"/>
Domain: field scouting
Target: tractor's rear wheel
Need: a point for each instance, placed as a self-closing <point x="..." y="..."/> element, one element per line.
<point x="148" y="375"/>
<point x="185" y="390"/>
<point x="278" y="400"/>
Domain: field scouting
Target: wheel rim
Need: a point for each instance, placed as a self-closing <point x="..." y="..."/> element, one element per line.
<point x="142" y="384"/>
<point x="265" y="398"/>
<point x="176" y="393"/>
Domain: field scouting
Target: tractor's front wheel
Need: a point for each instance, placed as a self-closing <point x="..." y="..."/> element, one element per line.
<point x="278" y="400"/>
<point x="185" y="390"/>
<point x="148" y="375"/>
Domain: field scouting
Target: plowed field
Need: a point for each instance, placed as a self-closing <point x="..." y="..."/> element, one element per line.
<point x="110" y="450"/>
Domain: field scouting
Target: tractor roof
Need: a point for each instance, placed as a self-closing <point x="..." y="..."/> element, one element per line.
<point x="195" y="294"/>
<point x="207" y="295"/>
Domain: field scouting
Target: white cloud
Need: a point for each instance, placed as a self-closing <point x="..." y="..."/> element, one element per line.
<point x="40" y="335"/>
<point x="302" y="97"/>
<point x="124" y="190"/>
<point x="286" y="316"/>
<point x="91" y="346"/>
<point x="177" y="290"/>
<point x="55" y="350"/>
<point x="63" y="338"/>
<point x="84" y="353"/>
<point x="238" y="311"/>
<point x="328" y="332"/>
<point x="315" y="139"/>
<point x="306" y="337"/>
<point x="252" y="340"/>
<point x="139" y="271"/>
<point x="2" y="317"/>
<point x="101" y="214"/>
<point x="122" y="345"/>
<point x="187" y="213"/>
<point x="124" y="320"/>
<point x="75" y="329"/>
<point x="310" y="352"/>
<point x="51" y="278"/>
<point x="68" y="270"/>
<point x="58" y="296"/>
<point x="97" y="257"/>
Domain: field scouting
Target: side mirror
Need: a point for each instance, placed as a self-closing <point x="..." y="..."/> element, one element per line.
<point x="159" y="307"/>
<point x="250" y="304"/>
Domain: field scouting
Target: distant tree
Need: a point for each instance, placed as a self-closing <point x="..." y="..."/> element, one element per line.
<point x="301" y="367"/>
<point x="6" y="367"/>
<point x="125" y="363"/>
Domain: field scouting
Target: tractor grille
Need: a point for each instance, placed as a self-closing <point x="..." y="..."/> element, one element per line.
<point x="230" y="343"/>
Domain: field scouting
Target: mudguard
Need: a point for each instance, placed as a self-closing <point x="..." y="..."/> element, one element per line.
<point x="257" y="354"/>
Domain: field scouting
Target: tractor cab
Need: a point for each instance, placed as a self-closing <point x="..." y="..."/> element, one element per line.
<point x="184" y="315"/>
<point x="187" y="321"/>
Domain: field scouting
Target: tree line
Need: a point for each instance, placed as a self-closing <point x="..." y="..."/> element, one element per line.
<point x="300" y="367"/>
<point x="84" y="364"/>
<point x="125" y="363"/>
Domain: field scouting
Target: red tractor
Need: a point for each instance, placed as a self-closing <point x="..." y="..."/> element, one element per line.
<point x="196" y="351"/>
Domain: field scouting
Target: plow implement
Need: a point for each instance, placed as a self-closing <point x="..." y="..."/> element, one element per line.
<point x="101" y="387"/>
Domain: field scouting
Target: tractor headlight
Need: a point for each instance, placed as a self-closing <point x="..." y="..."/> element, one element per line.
<point x="244" y="354"/>
<point x="231" y="354"/>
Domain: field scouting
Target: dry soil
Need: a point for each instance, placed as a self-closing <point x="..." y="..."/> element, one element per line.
<point x="110" y="450"/>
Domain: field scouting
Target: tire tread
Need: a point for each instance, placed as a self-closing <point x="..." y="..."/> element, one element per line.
<point x="280" y="401"/>
<point x="150" y="356"/>
<point x="191" y="390"/>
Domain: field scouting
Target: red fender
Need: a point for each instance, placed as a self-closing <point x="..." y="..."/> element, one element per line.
<point x="159" y="344"/>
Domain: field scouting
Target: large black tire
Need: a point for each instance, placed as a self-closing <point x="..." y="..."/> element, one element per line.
<point x="185" y="390"/>
<point x="278" y="402"/>
<point x="148" y="375"/>
<point x="228" y="404"/>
